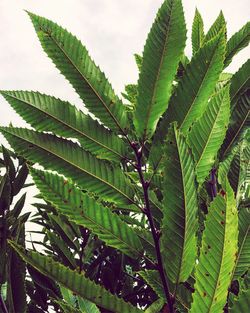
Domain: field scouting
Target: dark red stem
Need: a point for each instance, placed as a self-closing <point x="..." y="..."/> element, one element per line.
<point x="154" y="231"/>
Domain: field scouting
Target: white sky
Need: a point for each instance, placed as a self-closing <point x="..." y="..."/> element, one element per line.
<point x="112" y="30"/>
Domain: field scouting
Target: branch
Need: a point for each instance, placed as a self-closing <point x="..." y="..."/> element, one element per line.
<point x="2" y="305"/>
<point x="154" y="231"/>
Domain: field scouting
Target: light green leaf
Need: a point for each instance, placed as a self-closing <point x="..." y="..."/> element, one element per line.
<point x="162" y="53"/>
<point x="243" y="256"/>
<point x="217" y="256"/>
<point x="87" y="306"/>
<point x="73" y="61"/>
<point x="155" y="307"/>
<point x="190" y="99"/>
<point x="74" y="281"/>
<point x="208" y="133"/>
<point x="46" y="113"/>
<point x="197" y="32"/>
<point x="237" y="42"/>
<point x="180" y="209"/>
<point x="72" y="161"/>
<point x="83" y="210"/>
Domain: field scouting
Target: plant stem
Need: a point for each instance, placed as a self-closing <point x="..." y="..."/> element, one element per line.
<point x="2" y="304"/>
<point x="154" y="231"/>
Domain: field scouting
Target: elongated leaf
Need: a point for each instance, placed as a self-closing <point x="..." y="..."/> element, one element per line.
<point x="46" y="113"/>
<point x="72" y="161"/>
<point x="243" y="256"/>
<point x="239" y="123"/>
<point x="155" y="307"/>
<point x="208" y="133"/>
<point x="74" y="281"/>
<point x="197" y="32"/>
<point x="240" y="82"/>
<point x="218" y="25"/>
<point x="218" y="253"/>
<point x="73" y="61"/>
<point x="84" y="210"/>
<point x="237" y="42"/>
<point x="193" y="91"/>
<point x="180" y="221"/>
<point x="87" y="306"/>
<point x="242" y="305"/>
<point x="162" y="52"/>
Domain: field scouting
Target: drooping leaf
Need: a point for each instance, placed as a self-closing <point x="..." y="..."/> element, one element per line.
<point x="191" y="96"/>
<point x="208" y="133"/>
<point x="75" y="282"/>
<point x="218" y="25"/>
<point x="236" y="43"/>
<point x="161" y="57"/>
<point x="180" y="209"/>
<point x="73" y="61"/>
<point x="197" y="32"/>
<point x="243" y="255"/>
<point x="155" y="307"/>
<point x="46" y="113"/>
<point x="87" y="306"/>
<point x="217" y="256"/>
<point x="72" y="161"/>
<point x="84" y="210"/>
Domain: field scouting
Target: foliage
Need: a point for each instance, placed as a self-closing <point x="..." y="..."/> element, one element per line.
<point x="144" y="207"/>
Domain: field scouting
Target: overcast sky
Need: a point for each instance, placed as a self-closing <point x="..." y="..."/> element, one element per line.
<point x="112" y="30"/>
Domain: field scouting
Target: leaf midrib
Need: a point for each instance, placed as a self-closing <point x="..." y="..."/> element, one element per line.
<point x="85" y="78"/>
<point x="158" y="74"/>
<point x="72" y="164"/>
<point x="201" y="85"/>
<point x="85" y="216"/>
<point x="62" y="122"/>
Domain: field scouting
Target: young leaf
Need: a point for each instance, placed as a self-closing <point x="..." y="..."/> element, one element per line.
<point x="73" y="61"/>
<point x="74" y="281"/>
<point x="197" y="32"/>
<point x="237" y="42"/>
<point x="71" y="160"/>
<point x="217" y="256"/>
<point x="208" y="133"/>
<point x="162" y="52"/>
<point x="191" y="96"/>
<point x="84" y="210"/>
<point x="180" y="209"/>
<point x="46" y="113"/>
<point x="218" y="25"/>
<point x="243" y="256"/>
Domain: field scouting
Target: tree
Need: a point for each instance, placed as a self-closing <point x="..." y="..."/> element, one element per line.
<point x="147" y="209"/>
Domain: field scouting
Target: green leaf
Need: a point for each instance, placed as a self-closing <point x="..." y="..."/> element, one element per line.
<point x="152" y="278"/>
<point x="242" y="305"/>
<point x="197" y="32"/>
<point x="162" y="53"/>
<point x="208" y="133"/>
<point x="240" y="108"/>
<point x="191" y="96"/>
<point x="155" y="307"/>
<point x="237" y="42"/>
<point x="74" y="281"/>
<point x="73" y="61"/>
<point x="217" y="256"/>
<point x="72" y="161"/>
<point x="87" y="306"/>
<point x="46" y="113"/>
<point x="84" y="210"/>
<point x="243" y="256"/>
<point x="216" y="28"/>
<point x="66" y="307"/>
<point x="180" y="209"/>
